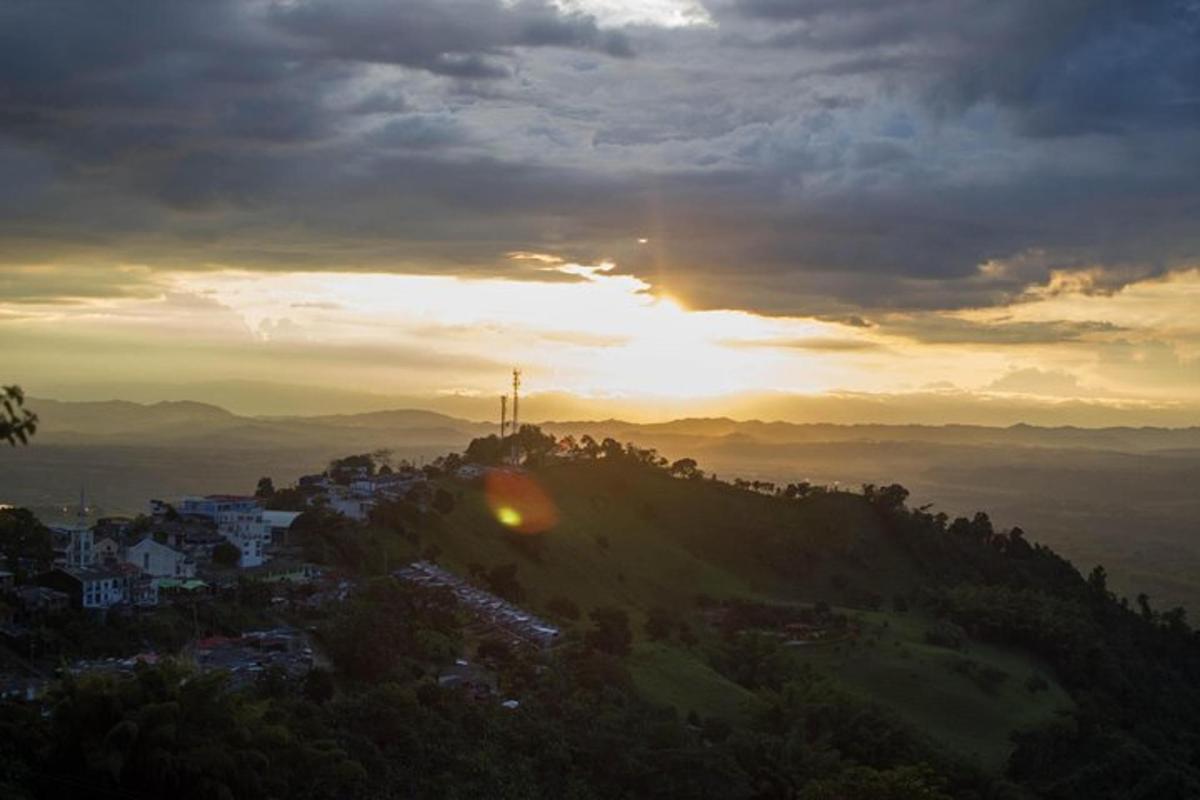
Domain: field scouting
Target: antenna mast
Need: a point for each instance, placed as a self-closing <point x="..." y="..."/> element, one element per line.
<point x="516" y="456"/>
<point x="516" y="398"/>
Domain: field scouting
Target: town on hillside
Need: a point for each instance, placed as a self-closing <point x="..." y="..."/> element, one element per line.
<point x="204" y="550"/>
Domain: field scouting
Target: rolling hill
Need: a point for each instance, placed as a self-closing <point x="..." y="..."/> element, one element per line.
<point x="640" y="540"/>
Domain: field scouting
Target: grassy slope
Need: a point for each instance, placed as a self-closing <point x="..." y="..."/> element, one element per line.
<point x="896" y="667"/>
<point x="679" y="677"/>
<point x="671" y="540"/>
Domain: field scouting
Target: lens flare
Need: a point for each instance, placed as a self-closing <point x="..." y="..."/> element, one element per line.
<point x="519" y="502"/>
<point x="509" y="517"/>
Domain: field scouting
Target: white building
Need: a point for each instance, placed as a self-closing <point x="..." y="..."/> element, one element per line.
<point x="159" y="560"/>
<point x="93" y="588"/>
<point x="239" y="519"/>
<point x="79" y="545"/>
<point x="356" y="508"/>
<point x="249" y="533"/>
<point x="107" y="551"/>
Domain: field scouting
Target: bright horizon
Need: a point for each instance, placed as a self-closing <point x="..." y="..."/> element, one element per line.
<point x="612" y="342"/>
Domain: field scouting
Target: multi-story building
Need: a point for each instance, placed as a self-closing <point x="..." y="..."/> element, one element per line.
<point x="75" y="545"/>
<point x="159" y="561"/>
<point x="239" y="519"/>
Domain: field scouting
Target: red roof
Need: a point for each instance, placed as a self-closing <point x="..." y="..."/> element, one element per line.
<point x="212" y="642"/>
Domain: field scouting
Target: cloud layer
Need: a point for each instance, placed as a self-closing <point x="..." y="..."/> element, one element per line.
<point x="786" y="156"/>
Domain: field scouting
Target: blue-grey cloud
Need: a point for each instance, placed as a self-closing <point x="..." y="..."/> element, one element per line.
<point x="804" y="156"/>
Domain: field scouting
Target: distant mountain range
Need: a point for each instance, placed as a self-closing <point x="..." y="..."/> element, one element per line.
<point x="930" y="406"/>
<point x="183" y="423"/>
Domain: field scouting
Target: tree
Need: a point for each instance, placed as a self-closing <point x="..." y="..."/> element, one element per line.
<point x="610" y="632"/>
<point x="797" y="491"/>
<point x="24" y="538"/>
<point x="319" y="686"/>
<point x="487" y="450"/>
<point x="535" y="445"/>
<point x="265" y="489"/>
<point x="888" y="499"/>
<point x="612" y="449"/>
<point x="17" y="423"/>
<point x="568" y="445"/>
<point x="344" y="470"/>
<point x="686" y="468"/>
<point x="226" y="555"/>
<point x="443" y="501"/>
<point x="288" y="499"/>
<point x="502" y="580"/>
<point x="866" y="783"/>
<point x="589" y="447"/>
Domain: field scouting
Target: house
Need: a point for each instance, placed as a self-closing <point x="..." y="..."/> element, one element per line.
<point x="471" y="472"/>
<point x="251" y="540"/>
<point x="108" y="552"/>
<point x="196" y="539"/>
<point x="356" y="508"/>
<point x="311" y="482"/>
<point x="279" y="522"/>
<point x="90" y="589"/>
<point x="41" y="599"/>
<point x="160" y="561"/>
<point x="141" y="588"/>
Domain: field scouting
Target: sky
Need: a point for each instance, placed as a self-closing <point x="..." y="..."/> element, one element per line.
<point x="955" y="205"/>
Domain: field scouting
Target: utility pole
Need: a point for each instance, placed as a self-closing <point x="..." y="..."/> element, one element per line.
<point x="503" y="416"/>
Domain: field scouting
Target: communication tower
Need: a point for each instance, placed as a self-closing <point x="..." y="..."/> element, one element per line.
<point x="516" y="398"/>
<point x="516" y="425"/>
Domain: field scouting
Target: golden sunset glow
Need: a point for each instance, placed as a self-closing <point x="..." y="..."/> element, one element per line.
<point x="594" y="332"/>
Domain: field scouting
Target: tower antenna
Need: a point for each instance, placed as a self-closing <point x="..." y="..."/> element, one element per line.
<point x="516" y="398"/>
<point x="516" y="426"/>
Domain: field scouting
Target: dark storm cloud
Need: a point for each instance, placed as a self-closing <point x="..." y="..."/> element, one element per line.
<point x="449" y="37"/>
<point x="1065" y="67"/>
<point x="804" y="157"/>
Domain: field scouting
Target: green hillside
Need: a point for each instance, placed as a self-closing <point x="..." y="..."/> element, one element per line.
<point x="639" y="539"/>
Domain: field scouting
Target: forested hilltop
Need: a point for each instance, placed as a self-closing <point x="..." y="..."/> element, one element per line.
<point x="721" y="639"/>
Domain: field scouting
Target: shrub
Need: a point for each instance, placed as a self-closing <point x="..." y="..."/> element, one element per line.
<point x="946" y="634"/>
<point x="226" y="555"/>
